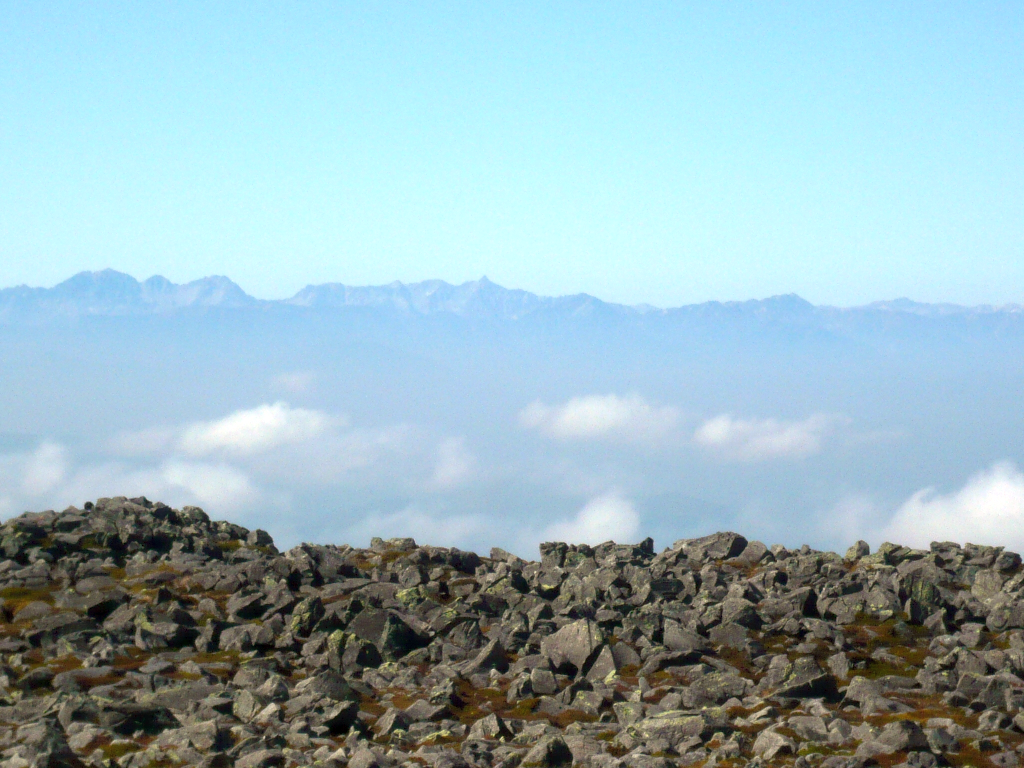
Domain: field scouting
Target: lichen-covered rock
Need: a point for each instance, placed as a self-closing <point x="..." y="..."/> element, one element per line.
<point x="573" y="646"/>
<point x="549" y="752"/>
<point x="770" y="744"/>
<point x="675" y="726"/>
<point x="133" y="634"/>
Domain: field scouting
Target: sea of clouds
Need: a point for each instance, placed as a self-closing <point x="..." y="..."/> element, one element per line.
<point x="572" y="470"/>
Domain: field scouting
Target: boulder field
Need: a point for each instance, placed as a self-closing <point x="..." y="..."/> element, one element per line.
<point x="133" y="634"/>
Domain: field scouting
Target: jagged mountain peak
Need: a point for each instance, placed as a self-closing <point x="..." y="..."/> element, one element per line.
<point x="101" y="282"/>
<point x="110" y="292"/>
<point x="477" y="297"/>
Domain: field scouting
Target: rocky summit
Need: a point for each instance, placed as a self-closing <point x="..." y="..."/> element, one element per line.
<point x="133" y="634"/>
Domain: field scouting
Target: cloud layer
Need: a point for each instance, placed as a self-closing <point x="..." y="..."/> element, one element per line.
<point x="600" y="416"/>
<point x="454" y="465"/>
<point x="252" y="464"/>
<point x="256" y="430"/>
<point x="989" y="509"/>
<point x="609" y="517"/>
<point x="50" y="477"/>
<point x="311" y="471"/>
<point x="424" y="524"/>
<point x="763" y="439"/>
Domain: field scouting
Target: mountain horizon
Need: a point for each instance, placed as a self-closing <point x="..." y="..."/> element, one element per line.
<point x="431" y="408"/>
<point x="111" y="292"/>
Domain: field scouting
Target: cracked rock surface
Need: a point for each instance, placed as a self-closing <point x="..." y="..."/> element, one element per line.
<point x="133" y="634"/>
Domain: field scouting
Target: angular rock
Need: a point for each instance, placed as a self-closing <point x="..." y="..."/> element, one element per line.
<point x="215" y="649"/>
<point x="674" y="726"/>
<point x="769" y="744"/>
<point x="573" y="646"/>
<point x="549" y="752"/>
<point x="717" y="546"/>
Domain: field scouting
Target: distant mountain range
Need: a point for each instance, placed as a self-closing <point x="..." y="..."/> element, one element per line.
<point x="109" y="292"/>
<point x="472" y="411"/>
<point x="112" y="293"/>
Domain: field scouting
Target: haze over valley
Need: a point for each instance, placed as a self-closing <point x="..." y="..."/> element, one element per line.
<point x="475" y="415"/>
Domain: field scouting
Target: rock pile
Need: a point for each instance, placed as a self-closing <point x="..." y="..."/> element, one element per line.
<point x="133" y="634"/>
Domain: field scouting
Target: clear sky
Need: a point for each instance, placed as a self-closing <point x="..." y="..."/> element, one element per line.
<point x="643" y="152"/>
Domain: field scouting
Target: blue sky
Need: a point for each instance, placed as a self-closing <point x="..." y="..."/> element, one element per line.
<point x="653" y="152"/>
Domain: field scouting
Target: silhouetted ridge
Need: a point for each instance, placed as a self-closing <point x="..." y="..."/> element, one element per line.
<point x="108" y="292"/>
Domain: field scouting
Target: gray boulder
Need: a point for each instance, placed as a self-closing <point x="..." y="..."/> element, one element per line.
<point x="573" y="646"/>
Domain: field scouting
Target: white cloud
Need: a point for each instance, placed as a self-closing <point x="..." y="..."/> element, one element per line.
<point x="27" y="477"/>
<point x="599" y="416"/>
<point x="853" y="517"/>
<point x="604" y="518"/>
<point x="439" y="528"/>
<point x="291" y="450"/>
<point x="278" y="441"/>
<point x="214" y="486"/>
<point x="989" y="509"/>
<point x="454" y="464"/>
<point x="760" y="439"/>
<point x="363" y="456"/>
<point x="218" y="486"/>
<point x="44" y="469"/>
<point x="255" y="430"/>
<point x="51" y="478"/>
